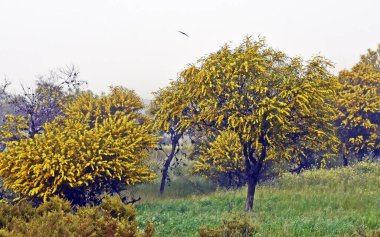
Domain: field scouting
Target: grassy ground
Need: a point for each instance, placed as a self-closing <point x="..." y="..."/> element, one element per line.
<point x="338" y="202"/>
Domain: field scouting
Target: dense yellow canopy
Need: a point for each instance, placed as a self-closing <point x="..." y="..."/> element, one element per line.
<point x="359" y="104"/>
<point x="100" y="140"/>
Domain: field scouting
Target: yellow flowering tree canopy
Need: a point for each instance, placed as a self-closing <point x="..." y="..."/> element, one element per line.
<point x="359" y="104"/>
<point x="99" y="144"/>
<point x="276" y="105"/>
<point x="222" y="155"/>
<point x="167" y="109"/>
<point x="14" y="128"/>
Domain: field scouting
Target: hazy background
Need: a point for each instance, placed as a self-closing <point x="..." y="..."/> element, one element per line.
<point x="136" y="43"/>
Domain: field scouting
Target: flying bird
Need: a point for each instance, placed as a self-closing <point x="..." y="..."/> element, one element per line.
<point x="183" y="33"/>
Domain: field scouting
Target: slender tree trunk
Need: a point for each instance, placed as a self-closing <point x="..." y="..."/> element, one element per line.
<point x="229" y="180"/>
<point x="344" y="152"/>
<point x="32" y="127"/>
<point x="345" y="160"/>
<point x="252" y="182"/>
<point x="165" y="174"/>
<point x="253" y="169"/>
<point x="167" y="163"/>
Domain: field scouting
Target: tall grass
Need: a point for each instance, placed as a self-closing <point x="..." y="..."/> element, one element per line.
<point x="337" y="202"/>
<point x="178" y="187"/>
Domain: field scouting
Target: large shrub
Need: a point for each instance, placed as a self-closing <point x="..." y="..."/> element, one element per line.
<point x="99" y="145"/>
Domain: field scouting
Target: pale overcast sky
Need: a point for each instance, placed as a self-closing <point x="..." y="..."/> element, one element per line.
<point x="136" y="43"/>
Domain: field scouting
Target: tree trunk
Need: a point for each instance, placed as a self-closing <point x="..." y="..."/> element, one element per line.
<point x="167" y="163"/>
<point x="32" y="127"/>
<point x="344" y="157"/>
<point x="345" y="160"/>
<point x="253" y="167"/>
<point x="165" y="174"/>
<point x="252" y="182"/>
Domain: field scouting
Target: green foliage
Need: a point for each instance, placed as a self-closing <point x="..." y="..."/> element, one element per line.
<point x="237" y="227"/>
<point x="99" y="145"/>
<point x="55" y="218"/>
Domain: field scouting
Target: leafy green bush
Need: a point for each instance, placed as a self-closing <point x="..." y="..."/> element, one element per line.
<point x="237" y="227"/>
<point x="55" y="218"/>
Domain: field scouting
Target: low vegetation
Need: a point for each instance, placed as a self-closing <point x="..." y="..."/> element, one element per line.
<point x="337" y="202"/>
<point x="56" y="218"/>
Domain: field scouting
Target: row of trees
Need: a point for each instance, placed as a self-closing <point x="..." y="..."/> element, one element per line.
<point x="245" y="109"/>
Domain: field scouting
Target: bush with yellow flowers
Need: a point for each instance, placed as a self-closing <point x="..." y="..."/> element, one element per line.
<point x="222" y="160"/>
<point x="99" y="145"/>
<point x="14" y="128"/>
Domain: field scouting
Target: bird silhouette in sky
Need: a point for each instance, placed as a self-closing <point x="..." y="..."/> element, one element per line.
<point x="184" y="33"/>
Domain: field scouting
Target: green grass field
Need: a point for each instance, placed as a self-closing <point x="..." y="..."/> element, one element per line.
<point x="340" y="202"/>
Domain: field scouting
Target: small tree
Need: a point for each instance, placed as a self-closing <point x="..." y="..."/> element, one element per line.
<point x="264" y="98"/>
<point x="166" y="122"/>
<point x="359" y="106"/>
<point x="99" y="145"/>
<point x="43" y="104"/>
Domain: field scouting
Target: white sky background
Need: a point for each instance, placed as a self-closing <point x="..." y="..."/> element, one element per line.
<point x="136" y="43"/>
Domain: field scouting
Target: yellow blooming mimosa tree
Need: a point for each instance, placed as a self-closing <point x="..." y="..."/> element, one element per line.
<point x="359" y="104"/>
<point x="259" y="104"/>
<point x="100" y="144"/>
